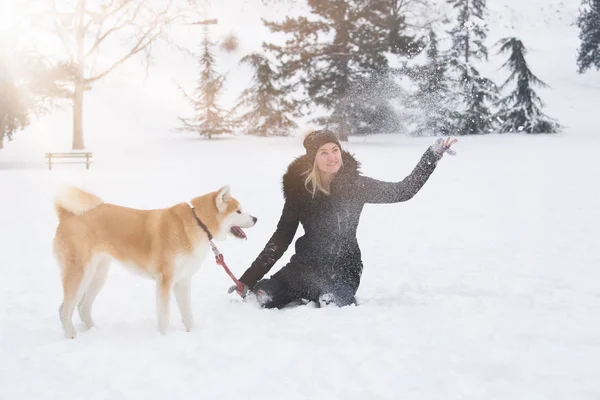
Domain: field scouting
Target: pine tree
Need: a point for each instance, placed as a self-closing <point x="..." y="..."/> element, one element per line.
<point x="390" y="15"/>
<point x="469" y="34"/>
<point x="433" y="97"/>
<point x="29" y="86"/>
<point x="370" y="98"/>
<point x="468" y="47"/>
<point x="14" y="113"/>
<point x="589" y="25"/>
<point x="268" y="110"/>
<point x="329" y="58"/>
<point x="209" y="119"/>
<point x="478" y="92"/>
<point x="521" y="109"/>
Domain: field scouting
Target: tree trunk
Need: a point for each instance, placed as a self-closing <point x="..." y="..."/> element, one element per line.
<point x="343" y="132"/>
<point x="468" y="36"/>
<point x="78" y="142"/>
<point x="2" y="130"/>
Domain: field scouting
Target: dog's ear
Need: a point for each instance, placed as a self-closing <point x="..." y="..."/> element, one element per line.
<point x="223" y="197"/>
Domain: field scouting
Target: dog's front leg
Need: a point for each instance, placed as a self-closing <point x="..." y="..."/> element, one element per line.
<point x="182" y="295"/>
<point x="163" y="296"/>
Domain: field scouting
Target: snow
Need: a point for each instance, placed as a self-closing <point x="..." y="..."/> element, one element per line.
<point x="484" y="286"/>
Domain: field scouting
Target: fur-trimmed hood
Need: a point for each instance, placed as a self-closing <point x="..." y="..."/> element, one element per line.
<point x="293" y="179"/>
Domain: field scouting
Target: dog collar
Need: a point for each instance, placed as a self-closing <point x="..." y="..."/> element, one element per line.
<point x="201" y="224"/>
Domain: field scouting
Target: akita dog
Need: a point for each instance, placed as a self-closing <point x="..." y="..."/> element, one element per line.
<point x="167" y="245"/>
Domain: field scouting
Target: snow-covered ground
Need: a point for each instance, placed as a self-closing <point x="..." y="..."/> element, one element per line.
<point x="484" y="286"/>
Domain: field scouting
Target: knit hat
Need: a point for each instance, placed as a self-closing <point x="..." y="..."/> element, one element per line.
<point x="314" y="140"/>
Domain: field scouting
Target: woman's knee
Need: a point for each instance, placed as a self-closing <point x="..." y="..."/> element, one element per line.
<point x="340" y="295"/>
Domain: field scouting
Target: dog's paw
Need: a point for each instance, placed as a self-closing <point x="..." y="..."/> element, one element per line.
<point x="161" y="329"/>
<point x="70" y="334"/>
<point x="189" y="326"/>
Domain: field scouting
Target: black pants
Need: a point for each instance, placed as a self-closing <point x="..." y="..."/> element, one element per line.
<point x="296" y="282"/>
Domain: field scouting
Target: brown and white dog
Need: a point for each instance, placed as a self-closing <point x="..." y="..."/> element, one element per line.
<point x="167" y="245"/>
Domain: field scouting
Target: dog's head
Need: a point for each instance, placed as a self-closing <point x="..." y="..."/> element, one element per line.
<point x="229" y="218"/>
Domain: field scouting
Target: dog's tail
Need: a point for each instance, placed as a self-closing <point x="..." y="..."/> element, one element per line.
<point x="70" y="201"/>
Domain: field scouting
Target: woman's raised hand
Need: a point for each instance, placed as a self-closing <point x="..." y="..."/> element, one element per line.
<point x="442" y="146"/>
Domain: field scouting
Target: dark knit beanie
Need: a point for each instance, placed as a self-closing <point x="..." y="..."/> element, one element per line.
<point x="314" y="140"/>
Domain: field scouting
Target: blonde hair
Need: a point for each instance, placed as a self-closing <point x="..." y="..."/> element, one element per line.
<point x="312" y="183"/>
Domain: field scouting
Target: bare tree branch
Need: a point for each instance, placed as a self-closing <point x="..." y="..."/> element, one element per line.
<point x="60" y="31"/>
<point x="142" y="43"/>
<point x="146" y="34"/>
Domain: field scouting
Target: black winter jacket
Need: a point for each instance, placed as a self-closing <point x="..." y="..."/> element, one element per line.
<point x="330" y="222"/>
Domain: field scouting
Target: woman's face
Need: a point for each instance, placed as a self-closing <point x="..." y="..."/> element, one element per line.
<point x="329" y="158"/>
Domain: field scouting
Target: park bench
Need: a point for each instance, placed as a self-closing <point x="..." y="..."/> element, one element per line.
<point x="79" y="157"/>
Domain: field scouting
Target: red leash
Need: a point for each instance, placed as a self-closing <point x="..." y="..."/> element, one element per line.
<point x="221" y="261"/>
<point x="218" y="256"/>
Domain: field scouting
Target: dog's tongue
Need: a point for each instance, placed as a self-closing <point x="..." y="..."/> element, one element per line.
<point x="238" y="232"/>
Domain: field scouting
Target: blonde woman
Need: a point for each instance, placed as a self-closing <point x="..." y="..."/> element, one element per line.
<point x="324" y="190"/>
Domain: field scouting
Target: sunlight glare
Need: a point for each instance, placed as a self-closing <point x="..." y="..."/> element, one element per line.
<point x="18" y="28"/>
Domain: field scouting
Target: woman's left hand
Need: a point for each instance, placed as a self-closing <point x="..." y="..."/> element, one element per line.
<point x="442" y="146"/>
<point x="242" y="290"/>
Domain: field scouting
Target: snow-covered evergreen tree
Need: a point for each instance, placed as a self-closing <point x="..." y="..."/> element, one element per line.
<point x="29" y="86"/>
<point x="521" y="109"/>
<point x="468" y="47"/>
<point x="14" y="113"/>
<point x="478" y="93"/>
<point x="267" y="112"/>
<point x="371" y="100"/>
<point x="433" y="98"/>
<point x="589" y="33"/>
<point x="470" y="32"/>
<point x="390" y="15"/>
<point x="328" y="57"/>
<point x="209" y="118"/>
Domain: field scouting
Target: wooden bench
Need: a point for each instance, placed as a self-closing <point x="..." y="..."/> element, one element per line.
<point x="78" y="155"/>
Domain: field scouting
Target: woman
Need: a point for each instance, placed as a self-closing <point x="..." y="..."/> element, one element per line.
<point x="323" y="190"/>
